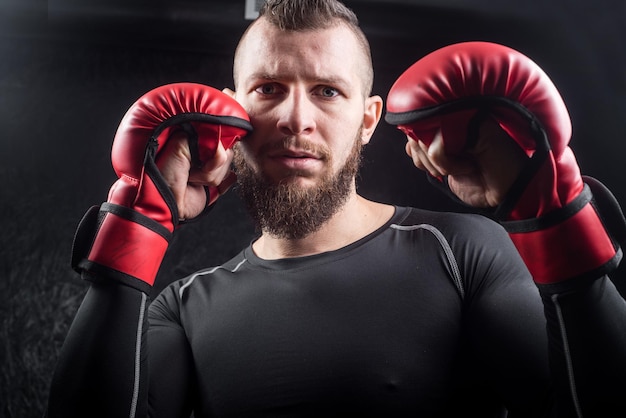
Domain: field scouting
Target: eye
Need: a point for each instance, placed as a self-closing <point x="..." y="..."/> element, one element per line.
<point x="328" y="92"/>
<point x="268" y="88"/>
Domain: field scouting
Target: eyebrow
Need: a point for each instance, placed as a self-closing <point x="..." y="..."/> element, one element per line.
<point x="331" y="81"/>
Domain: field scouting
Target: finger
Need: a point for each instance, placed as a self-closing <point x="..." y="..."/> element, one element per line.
<point x="215" y="170"/>
<point x="416" y="153"/>
<point x="426" y="161"/>
<point x="446" y="163"/>
<point x="215" y="174"/>
<point x="174" y="162"/>
<point x="412" y="152"/>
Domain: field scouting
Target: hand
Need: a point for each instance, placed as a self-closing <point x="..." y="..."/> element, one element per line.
<point x="159" y="137"/>
<point x="480" y="176"/>
<point x="546" y="207"/>
<point x="188" y="184"/>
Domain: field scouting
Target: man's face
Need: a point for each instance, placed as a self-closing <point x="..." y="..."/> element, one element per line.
<point x="304" y="92"/>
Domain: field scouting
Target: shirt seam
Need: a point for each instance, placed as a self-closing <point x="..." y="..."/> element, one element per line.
<point x="457" y="279"/>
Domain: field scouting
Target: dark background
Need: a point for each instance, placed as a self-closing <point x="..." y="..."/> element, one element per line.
<point x="69" y="69"/>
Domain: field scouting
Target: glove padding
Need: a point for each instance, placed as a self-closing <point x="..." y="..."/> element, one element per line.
<point x="126" y="238"/>
<point x="549" y="212"/>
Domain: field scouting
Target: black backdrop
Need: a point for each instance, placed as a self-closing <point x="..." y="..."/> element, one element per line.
<point x="69" y="72"/>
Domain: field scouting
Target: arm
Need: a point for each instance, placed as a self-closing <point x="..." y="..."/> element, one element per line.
<point x="491" y="128"/>
<point x="504" y="324"/>
<point x="171" y="159"/>
<point x="587" y="336"/>
<point x="100" y="371"/>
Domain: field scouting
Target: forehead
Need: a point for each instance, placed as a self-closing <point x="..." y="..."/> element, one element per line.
<point x="324" y="53"/>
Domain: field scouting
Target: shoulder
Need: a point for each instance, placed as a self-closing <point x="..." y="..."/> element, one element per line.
<point x="451" y="224"/>
<point x="169" y="302"/>
<point x="477" y="244"/>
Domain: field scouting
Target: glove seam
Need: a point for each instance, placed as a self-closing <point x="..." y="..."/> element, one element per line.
<point x="136" y="217"/>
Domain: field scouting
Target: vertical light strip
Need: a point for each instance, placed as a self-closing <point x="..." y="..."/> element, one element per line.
<point x="133" y="404"/>
<point x="252" y="9"/>
<point x="568" y="357"/>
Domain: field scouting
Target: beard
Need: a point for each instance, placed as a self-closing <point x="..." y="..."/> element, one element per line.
<point x="287" y="210"/>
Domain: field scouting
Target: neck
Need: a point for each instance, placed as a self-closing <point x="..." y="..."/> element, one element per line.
<point x="357" y="218"/>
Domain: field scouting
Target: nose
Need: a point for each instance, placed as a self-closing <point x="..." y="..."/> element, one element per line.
<point x="297" y="114"/>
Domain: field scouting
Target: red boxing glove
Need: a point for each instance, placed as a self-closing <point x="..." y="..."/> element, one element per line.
<point x="549" y="212"/>
<point x="126" y="237"/>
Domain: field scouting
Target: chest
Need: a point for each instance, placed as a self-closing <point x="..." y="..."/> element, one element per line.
<point x="335" y="337"/>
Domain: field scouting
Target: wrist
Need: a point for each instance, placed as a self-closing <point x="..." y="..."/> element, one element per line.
<point x="119" y="243"/>
<point x="568" y="243"/>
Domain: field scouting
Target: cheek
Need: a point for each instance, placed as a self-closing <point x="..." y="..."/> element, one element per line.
<point x="259" y="117"/>
<point x="263" y="129"/>
<point x="341" y="153"/>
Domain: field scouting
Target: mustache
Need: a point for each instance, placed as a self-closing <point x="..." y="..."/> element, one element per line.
<point x="295" y="143"/>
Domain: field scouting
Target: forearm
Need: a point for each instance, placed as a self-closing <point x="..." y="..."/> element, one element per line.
<point x="587" y="337"/>
<point x="101" y="370"/>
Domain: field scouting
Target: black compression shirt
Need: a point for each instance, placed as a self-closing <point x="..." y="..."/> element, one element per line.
<point x="411" y="319"/>
<point x="432" y="315"/>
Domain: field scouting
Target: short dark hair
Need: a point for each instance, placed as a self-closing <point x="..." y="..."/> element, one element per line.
<point x="300" y="15"/>
<point x="304" y="15"/>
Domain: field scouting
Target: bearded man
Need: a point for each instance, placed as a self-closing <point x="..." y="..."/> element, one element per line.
<point x="343" y="306"/>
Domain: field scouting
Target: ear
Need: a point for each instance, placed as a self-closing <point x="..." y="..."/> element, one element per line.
<point x="371" y="117"/>
<point x="229" y="92"/>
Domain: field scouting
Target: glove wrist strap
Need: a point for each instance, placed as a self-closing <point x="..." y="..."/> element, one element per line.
<point x="569" y="243"/>
<point x="119" y="243"/>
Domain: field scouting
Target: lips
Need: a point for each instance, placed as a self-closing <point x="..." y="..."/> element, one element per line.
<point x="289" y="153"/>
<point x="295" y="159"/>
